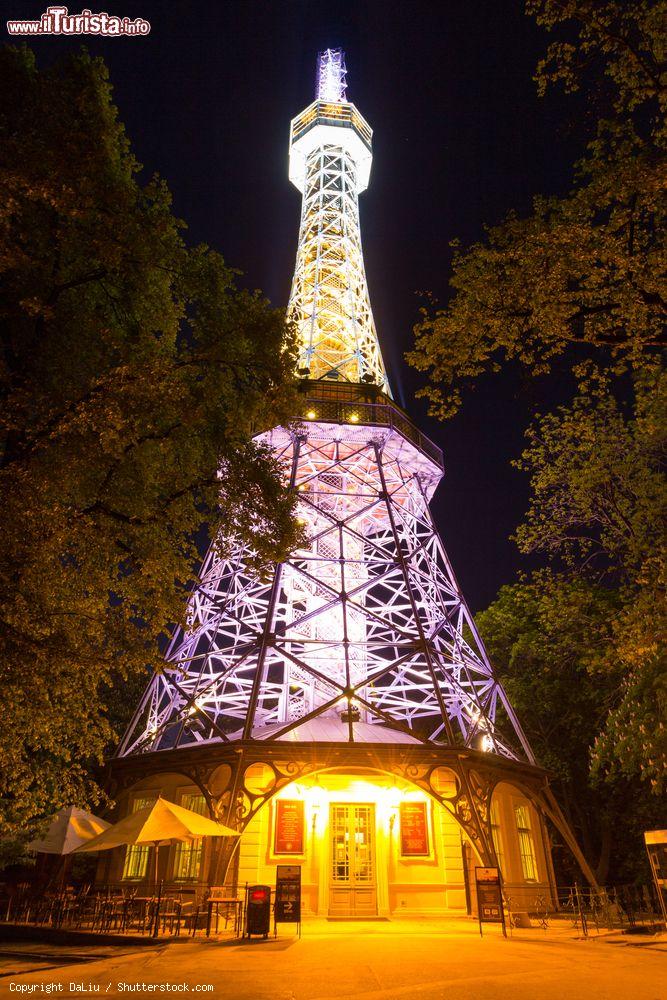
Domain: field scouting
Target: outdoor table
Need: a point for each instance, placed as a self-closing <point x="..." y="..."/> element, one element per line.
<point x="230" y="902"/>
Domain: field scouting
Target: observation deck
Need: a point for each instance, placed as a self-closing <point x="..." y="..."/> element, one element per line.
<point x="365" y="406"/>
<point x="327" y="113"/>
<point x="325" y="123"/>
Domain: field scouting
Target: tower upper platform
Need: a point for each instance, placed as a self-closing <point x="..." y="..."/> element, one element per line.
<point x="323" y="123"/>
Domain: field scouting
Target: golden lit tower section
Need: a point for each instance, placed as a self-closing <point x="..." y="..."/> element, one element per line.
<point x="330" y="162"/>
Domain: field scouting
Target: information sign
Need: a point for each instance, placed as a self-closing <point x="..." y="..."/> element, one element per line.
<point x="656" y="845"/>
<point x="489" y="897"/>
<point x="288" y="833"/>
<point x="414" y="829"/>
<point x="288" y="895"/>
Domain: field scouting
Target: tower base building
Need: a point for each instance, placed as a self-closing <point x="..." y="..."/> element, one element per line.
<point x="378" y="831"/>
<point x="343" y="715"/>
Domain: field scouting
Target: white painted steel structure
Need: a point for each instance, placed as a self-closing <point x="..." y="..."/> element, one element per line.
<point x="330" y="162"/>
<point x="365" y="630"/>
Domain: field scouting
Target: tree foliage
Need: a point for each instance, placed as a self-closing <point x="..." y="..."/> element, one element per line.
<point x="598" y="508"/>
<point x="580" y="284"/>
<point x="556" y="639"/>
<point x="134" y="375"/>
<point x="598" y="491"/>
<point x="588" y="269"/>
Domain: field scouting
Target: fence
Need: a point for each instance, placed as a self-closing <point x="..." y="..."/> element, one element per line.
<point x="618" y="907"/>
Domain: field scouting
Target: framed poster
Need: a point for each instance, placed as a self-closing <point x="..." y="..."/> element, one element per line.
<point x="288" y="827"/>
<point x="414" y="829"/>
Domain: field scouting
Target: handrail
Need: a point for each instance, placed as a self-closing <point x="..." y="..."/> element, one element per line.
<point x="367" y="406"/>
<point x="341" y="114"/>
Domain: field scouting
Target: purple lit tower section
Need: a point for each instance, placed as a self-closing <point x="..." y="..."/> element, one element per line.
<point x="363" y="635"/>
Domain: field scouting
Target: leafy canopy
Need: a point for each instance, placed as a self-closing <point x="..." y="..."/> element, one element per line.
<point x="580" y="284"/>
<point x="598" y="507"/>
<point x="134" y="375"/>
<point x="556" y="639"/>
<point x="588" y="269"/>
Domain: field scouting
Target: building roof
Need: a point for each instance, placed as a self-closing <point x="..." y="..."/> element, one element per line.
<point x="327" y="729"/>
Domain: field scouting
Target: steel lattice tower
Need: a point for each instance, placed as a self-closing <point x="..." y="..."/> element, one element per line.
<point x="363" y="636"/>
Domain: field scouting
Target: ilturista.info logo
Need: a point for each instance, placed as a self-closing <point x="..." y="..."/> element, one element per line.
<point x="59" y="21"/>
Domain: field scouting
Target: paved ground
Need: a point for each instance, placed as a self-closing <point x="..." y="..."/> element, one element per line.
<point x="407" y="960"/>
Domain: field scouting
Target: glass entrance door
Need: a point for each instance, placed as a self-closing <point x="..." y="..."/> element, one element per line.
<point x="352" y="886"/>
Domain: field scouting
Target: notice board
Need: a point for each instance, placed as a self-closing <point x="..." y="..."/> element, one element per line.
<point x="414" y="829"/>
<point x="489" y="897"/>
<point x="288" y="894"/>
<point x="288" y="828"/>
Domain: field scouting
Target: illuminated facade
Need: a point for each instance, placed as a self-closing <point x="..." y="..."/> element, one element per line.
<point x="343" y="714"/>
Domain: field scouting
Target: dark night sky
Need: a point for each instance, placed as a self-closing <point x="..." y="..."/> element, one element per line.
<point x="460" y="137"/>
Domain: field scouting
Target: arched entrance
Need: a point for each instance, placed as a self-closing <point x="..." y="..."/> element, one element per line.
<point x="370" y="842"/>
<point x="240" y="780"/>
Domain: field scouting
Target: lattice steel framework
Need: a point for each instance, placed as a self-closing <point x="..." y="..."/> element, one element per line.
<point x="363" y="635"/>
<point x="331" y="81"/>
<point x="366" y="627"/>
<point x="330" y="158"/>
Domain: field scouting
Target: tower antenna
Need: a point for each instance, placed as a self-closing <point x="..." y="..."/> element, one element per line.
<point x="330" y="82"/>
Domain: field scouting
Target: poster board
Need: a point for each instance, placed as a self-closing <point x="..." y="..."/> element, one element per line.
<point x="287" y="908"/>
<point x="288" y="826"/>
<point x="489" y="897"/>
<point x="413" y="817"/>
<point x="656" y="845"/>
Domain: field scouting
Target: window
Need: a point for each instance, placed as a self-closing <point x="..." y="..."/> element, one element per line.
<point x="497" y="836"/>
<point x="136" y="855"/>
<point x="526" y="844"/>
<point x="188" y="854"/>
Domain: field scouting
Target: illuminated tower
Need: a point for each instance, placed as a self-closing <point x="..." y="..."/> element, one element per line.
<point x="361" y="641"/>
<point x="330" y="163"/>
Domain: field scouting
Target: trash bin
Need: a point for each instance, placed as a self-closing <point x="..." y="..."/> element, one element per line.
<point x="258" y="910"/>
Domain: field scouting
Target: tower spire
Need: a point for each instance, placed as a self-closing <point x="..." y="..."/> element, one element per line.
<point x="330" y="163"/>
<point x="331" y="73"/>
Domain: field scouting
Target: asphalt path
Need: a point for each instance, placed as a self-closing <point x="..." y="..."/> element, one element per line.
<point x="413" y="961"/>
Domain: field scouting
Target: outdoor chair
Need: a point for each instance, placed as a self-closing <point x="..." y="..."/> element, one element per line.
<point x="109" y="914"/>
<point x="42" y="906"/>
<point x="21" y="903"/>
<point x="170" y="913"/>
<point x="5" y="900"/>
<point x="77" y="905"/>
<point x="85" y="909"/>
<point x="195" y="919"/>
<point x="62" y="907"/>
<point x="187" y="908"/>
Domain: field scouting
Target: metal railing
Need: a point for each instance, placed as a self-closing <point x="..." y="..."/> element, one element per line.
<point x="617" y="907"/>
<point x="115" y="908"/>
<point x="368" y="407"/>
<point x="323" y="111"/>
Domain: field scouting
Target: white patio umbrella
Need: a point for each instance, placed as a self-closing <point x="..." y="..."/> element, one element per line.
<point x="68" y="829"/>
<point x="160" y="823"/>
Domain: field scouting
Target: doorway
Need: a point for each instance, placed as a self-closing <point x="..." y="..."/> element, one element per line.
<point x="352" y="878"/>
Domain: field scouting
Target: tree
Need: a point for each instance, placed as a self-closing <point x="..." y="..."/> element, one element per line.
<point x="135" y="374"/>
<point x="598" y="507"/>
<point x="581" y="284"/>
<point x="556" y="640"/>
<point x="587" y="270"/>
